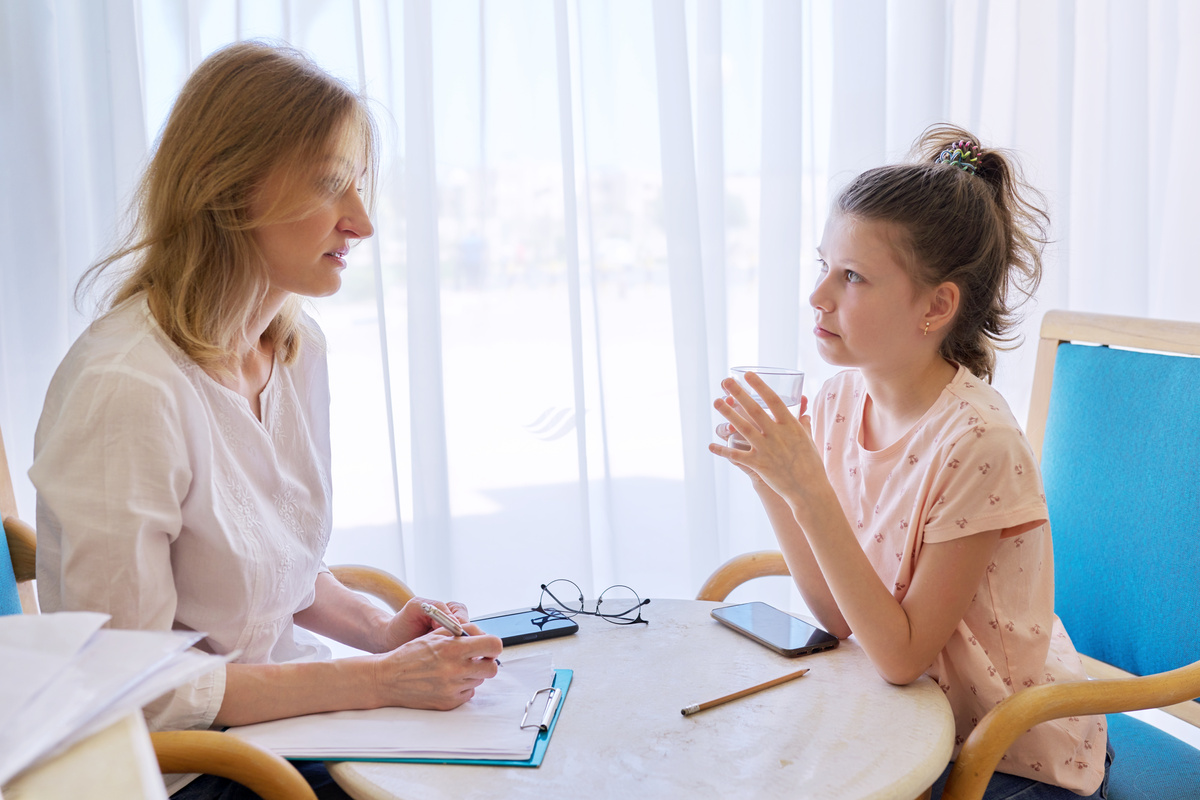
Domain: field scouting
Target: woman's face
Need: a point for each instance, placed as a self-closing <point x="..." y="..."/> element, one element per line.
<point x="869" y="312"/>
<point x="306" y="256"/>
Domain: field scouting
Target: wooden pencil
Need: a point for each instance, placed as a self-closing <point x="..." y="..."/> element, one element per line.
<point x="698" y="707"/>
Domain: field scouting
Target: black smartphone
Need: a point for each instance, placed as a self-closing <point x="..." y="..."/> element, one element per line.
<point x="526" y="626"/>
<point x="776" y="629"/>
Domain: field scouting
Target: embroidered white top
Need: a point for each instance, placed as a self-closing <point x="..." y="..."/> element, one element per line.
<point x="163" y="501"/>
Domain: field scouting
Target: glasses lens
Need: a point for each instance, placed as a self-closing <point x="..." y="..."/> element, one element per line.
<point x="619" y="604"/>
<point x="562" y="597"/>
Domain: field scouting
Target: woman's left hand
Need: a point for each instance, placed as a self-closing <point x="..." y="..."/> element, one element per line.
<point x="781" y="450"/>
<point x="411" y="622"/>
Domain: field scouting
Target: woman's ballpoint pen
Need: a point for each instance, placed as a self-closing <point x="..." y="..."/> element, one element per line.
<point x="446" y="621"/>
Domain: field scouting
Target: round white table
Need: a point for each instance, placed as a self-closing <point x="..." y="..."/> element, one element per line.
<point x="840" y="731"/>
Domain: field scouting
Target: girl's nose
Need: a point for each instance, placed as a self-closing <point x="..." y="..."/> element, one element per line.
<point x="819" y="297"/>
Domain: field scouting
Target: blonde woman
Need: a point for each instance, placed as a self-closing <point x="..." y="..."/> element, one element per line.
<point x="182" y="459"/>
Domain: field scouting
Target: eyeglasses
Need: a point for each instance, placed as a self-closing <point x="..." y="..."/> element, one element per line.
<point x="616" y="604"/>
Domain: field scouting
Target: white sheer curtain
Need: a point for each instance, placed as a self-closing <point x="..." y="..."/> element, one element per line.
<point x="590" y="209"/>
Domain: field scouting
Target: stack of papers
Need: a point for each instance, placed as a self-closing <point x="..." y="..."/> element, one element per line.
<point x="63" y="678"/>
<point x="487" y="727"/>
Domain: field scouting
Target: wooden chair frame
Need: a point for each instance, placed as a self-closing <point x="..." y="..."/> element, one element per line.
<point x="739" y="569"/>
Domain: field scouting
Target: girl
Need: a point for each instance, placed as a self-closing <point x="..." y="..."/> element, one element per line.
<point x="182" y="459"/>
<point x="909" y="508"/>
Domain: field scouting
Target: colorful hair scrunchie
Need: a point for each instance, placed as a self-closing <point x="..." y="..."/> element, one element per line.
<point x="963" y="154"/>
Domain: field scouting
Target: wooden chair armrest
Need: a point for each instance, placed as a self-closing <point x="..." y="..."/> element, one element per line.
<point x="740" y="569"/>
<point x="1005" y="723"/>
<point x="22" y="547"/>
<point x="213" y="753"/>
<point x="375" y="582"/>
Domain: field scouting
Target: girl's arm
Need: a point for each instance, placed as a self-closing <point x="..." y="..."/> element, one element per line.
<point x="802" y="564"/>
<point x="901" y="639"/>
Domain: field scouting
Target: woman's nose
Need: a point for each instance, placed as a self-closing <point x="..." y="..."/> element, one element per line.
<point x="355" y="220"/>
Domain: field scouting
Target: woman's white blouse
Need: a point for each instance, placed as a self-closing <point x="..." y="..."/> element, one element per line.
<point x="163" y="501"/>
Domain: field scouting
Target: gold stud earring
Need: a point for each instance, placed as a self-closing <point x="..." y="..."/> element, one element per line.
<point x="926" y="329"/>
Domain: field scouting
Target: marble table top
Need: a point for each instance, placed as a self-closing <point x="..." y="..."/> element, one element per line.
<point x="839" y="731"/>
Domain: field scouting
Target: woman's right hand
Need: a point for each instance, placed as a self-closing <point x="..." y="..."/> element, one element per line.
<point x="436" y="671"/>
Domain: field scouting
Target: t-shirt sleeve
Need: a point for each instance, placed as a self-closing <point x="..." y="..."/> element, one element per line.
<point x="988" y="480"/>
<point x="111" y="471"/>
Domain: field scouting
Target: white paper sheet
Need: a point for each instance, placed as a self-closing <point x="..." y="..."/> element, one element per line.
<point x="34" y="649"/>
<point x="487" y="726"/>
<point x="66" y="678"/>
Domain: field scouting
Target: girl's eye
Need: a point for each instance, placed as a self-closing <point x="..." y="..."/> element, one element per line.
<point x="822" y="267"/>
<point x="853" y="277"/>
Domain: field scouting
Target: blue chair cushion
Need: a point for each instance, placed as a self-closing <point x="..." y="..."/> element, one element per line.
<point x="10" y="601"/>
<point x="1121" y="466"/>
<point x="1150" y="764"/>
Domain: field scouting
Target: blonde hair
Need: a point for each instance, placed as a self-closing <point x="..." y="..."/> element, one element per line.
<point x="249" y="110"/>
<point x="983" y="230"/>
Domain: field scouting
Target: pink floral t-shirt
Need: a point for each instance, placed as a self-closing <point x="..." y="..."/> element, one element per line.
<point x="967" y="468"/>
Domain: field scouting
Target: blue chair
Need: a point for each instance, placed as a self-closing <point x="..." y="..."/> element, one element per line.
<point x="10" y="600"/>
<point x="1116" y="423"/>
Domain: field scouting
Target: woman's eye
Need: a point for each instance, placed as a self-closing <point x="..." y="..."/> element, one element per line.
<point x="334" y="184"/>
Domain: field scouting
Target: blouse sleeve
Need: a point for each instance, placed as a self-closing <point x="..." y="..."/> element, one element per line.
<point x="988" y="480"/>
<point x="111" y="470"/>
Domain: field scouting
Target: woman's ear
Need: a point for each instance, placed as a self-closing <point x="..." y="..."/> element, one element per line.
<point x="943" y="305"/>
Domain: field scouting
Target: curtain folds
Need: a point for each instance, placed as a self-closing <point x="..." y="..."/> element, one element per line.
<point x="588" y="211"/>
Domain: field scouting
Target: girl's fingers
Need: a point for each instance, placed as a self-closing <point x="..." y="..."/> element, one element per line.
<point x="746" y="404"/>
<point x="777" y="407"/>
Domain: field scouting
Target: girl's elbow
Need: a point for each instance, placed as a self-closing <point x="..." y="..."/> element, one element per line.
<point x="900" y="674"/>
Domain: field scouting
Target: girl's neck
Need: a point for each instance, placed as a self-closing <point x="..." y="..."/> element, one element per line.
<point x="897" y="399"/>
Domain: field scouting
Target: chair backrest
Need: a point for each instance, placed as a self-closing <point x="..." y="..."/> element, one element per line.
<point x="1117" y="429"/>
<point x="10" y="598"/>
<point x="20" y="548"/>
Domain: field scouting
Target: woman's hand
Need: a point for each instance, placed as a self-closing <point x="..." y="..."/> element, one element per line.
<point x="411" y="622"/>
<point x="437" y="671"/>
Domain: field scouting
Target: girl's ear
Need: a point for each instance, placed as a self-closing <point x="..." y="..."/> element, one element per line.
<point x="943" y="305"/>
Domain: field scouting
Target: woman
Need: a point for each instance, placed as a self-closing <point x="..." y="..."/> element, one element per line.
<point x="182" y="458"/>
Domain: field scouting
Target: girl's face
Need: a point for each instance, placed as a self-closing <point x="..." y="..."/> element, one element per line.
<point x="869" y="312"/>
<point x="306" y="256"/>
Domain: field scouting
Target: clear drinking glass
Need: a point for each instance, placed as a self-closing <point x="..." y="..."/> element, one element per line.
<point x="787" y="383"/>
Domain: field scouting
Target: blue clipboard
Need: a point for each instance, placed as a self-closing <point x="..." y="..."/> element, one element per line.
<point x="562" y="682"/>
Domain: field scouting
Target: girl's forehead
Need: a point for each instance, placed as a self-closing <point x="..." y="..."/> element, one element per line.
<point x="858" y="238"/>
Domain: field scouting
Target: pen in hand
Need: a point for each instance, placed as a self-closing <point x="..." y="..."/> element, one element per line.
<point x="446" y="621"/>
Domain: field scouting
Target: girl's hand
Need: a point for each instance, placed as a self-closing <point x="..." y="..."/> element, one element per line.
<point x="436" y="671"/>
<point x="781" y="451"/>
<point x="726" y="432"/>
